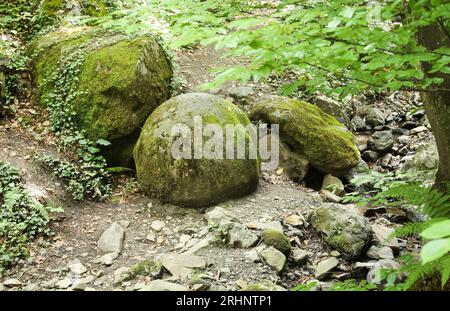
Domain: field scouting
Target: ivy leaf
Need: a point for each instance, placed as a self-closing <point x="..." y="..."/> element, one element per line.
<point x="103" y="142"/>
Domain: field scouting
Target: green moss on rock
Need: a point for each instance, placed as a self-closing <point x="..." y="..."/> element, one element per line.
<point x="343" y="228"/>
<point x="323" y="140"/>
<point x="193" y="182"/>
<point x="278" y="240"/>
<point x="56" y="8"/>
<point x="121" y="81"/>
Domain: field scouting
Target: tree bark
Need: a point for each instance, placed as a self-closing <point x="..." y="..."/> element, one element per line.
<point x="437" y="104"/>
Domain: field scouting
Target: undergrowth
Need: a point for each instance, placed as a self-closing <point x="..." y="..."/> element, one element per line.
<point x="22" y="218"/>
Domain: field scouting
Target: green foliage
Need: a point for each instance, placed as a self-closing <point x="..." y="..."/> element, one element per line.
<point x="353" y="286"/>
<point x="87" y="175"/>
<point x="337" y="47"/>
<point x="17" y="15"/>
<point x="22" y="218"/>
<point x="305" y="287"/>
<point x="84" y="179"/>
<point x="15" y="84"/>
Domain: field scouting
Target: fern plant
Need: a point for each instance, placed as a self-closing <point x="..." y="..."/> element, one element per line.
<point x="435" y="230"/>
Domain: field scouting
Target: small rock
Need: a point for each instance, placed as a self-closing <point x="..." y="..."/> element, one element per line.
<point x="107" y="259"/>
<point x="2" y="288"/>
<point x="64" y="283"/>
<point x="375" y="117"/>
<point x="12" y="283"/>
<point x="381" y="235"/>
<point x="370" y="156"/>
<point x="81" y="284"/>
<point x="335" y="253"/>
<point x="331" y="196"/>
<point x="33" y="287"/>
<point x="182" y="265"/>
<point x="418" y="130"/>
<point x="294" y="220"/>
<point x="120" y="274"/>
<point x="381" y="141"/>
<point x="77" y="268"/>
<point x="380" y="252"/>
<point x="343" y="228"/>
<point x="333" y="184"/>
<point x="374" y="275"/>
<point x="263" y="287"/>
<point x="157" y="225"/>
<point x="278" y="240"/>
<point x="325" y="266"/>
<point x="274" y="258"/>
<point x="300" y="256"/>
<point x="163" y="286"/>
<point x="111" y="240"/>
<point x="358" y="123"/>
<point x="218" y="214"/>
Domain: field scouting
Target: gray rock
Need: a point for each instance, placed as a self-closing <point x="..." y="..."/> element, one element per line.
<point x="12" y="283"/>
<point x="121" y="274"/>
<point x="358" y="123"/>
<point x="404" y="140"/>
<point x="241" y="94"/>
<point x="380" y="252"/>
<point x="64" y="283"/>
<point x="238" y="235"/>
<point x="107" y="259"/>
<point x="216" y="215"/>
<point x="330" y="106"/>
<point x="182" y="265"/>
<point x="325" y="266"/>
<point x="381" y="141"/>
<point x="50" y="284"/>
<point x="273" y="225"/>
<point x="2" y="288"/>
<point x="235" y="233"/>
<point x="375" y="117"/>
<point x="370" y="156"/>
<point x="264" y="287"/>
<point x="274" y="258"/>
<point x="425" y="158"/>
<point x="162" y="286"/>
<point x="32" y="287"/>
<point x="157" y="225"/>
<point x="81" y="284"/>
<point x="374" y="275"/>
<point x="300" y="256"/>
<point x="333" y="184"/>
<point x="418" y="130"/>
<point x="111" y="240"/>
<point x="77" y="268"/>
<point x="343" y="228"/>
<point x="381" y="235"/>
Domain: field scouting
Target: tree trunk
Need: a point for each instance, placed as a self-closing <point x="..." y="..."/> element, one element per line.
<point x="437" y="104"/>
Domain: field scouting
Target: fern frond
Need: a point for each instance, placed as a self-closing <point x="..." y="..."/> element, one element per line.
<point x="432" y="202"/>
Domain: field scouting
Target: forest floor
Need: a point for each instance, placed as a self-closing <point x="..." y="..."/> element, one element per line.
<point x="78" y="229"/>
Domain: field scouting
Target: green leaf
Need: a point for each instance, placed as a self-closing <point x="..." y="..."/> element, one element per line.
<point x="437" y="231"/>
<point x="434" y="250"/>
<point x="103" y="142"/>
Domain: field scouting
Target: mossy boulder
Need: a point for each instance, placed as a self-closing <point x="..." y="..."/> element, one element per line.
<point x="119" y="82"/>
<point x="325" y="142"/>
<point x="198" y="181"/>
<point x="57" y="8"/>
<point x="343" y="228"/>
<point x="278" y="240"/>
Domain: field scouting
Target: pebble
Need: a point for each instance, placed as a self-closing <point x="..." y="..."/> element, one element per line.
<point x="157" y="225"/>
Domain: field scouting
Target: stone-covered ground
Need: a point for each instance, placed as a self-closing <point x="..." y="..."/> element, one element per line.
<point x="131" y="228"/>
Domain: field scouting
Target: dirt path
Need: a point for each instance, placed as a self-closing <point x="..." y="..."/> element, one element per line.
<point x="79" y="228"/>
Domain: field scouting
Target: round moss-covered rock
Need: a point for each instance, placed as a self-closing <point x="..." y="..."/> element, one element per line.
<point x="325" y="142"/>
<point x="192" y="178"/>
<point x="343" y="228"/>
<point x="278" y="240"/>
<point x="115" y="82"/>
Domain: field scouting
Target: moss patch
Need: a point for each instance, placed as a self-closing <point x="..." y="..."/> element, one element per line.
<point x="193" y="182"/>
<point x="278" y="240"/>
<point x="323" y="140"/>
